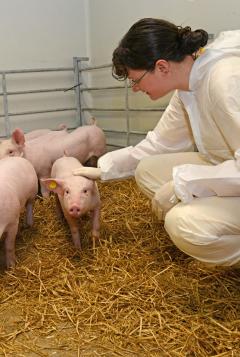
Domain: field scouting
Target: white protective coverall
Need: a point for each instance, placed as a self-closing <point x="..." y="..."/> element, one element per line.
<point x="207" y="116"/>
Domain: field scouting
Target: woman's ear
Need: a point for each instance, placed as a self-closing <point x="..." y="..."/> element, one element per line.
<point x="162" y="66"/>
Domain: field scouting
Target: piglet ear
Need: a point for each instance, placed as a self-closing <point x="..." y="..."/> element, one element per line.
<point x="92" y="173"/>
<point x="18" y="137"/>
<point x="53" y="185"/>
<point x="62" y="127"/>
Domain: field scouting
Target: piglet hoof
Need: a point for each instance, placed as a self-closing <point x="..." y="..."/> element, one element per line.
<point x="29" y="221"/>
<point x="45" y="194"/>
<point x="95" y="238"/>
<point x="95" y="234"/>
<point x="10" y="263"/>
<point x="77" y="244"/>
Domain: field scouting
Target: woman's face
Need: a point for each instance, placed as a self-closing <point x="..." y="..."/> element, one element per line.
<point x="155" y="84"/>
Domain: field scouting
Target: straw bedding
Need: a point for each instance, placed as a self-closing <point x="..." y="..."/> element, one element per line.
<point x="133" y="294"/>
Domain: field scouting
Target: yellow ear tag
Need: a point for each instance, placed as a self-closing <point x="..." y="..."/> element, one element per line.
<point x="52" y="185"/>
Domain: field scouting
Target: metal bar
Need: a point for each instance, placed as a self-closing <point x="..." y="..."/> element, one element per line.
<point x="90" y="68"/>
<point x="101" y="88"/>
<point x="123" y="109"/>
<point x="115" y="145"/>
<point x="77" y="80"/>
<point x="21" y="71"/>
<point x="5" y="106"/>
<point x="39" y="112"/>
<point x="32" y="70"/>
<point x="34" y="91"/>
<point x="93" y="88"/>
<point x="80" y="93"/>
<point x="124" y="131"/>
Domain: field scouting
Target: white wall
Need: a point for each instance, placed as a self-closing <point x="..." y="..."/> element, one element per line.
<point x="36" y="33"/>
<point x="40" y="34"/>
<point x="110" y="20"/>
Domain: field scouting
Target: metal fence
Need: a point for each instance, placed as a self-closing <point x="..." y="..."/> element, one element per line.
<point x="126" y="109"/>
<point x="78" y="89"/>
<point x="5" y="93"/>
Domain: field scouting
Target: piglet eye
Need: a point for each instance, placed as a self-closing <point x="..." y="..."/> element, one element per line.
<point x="85" y="191"/>
<point x="67" y="192"/>
<point x="10" y="152"/>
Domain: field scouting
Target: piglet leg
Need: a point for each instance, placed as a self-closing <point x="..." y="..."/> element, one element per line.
<point x="74" y="228"/>
<point x="96" y="222"/>
<point x="10" y="245"/>
<point x="75" y="236"/>
<point x="44" y="191"/>
<point x="29" y="212"/>
<point x="58" y="207"/>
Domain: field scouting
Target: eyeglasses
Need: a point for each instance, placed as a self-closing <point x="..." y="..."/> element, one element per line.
<point x="134" y="82"/>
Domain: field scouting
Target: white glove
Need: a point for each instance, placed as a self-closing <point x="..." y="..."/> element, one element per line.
<point x="117" y="164"/>
<point x="92" y="173"/>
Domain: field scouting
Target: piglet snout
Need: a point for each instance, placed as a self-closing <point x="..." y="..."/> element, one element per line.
<point x="75" y="211"/>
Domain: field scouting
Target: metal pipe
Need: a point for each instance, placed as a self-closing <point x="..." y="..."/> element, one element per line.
<point x="35" y="91"/>
<point x="5" y="106"/>
<point x="123" y="109"/>
<point x="124" y="131"/>
<point x="115" y="145"/>
<point x="101" y="88"/>
<point x="20" y="71"/>
<point x="90" y="68"/>
<point x="77" y="79"/>
<point x="39" y="112"/>
<point x="32" y="70"/>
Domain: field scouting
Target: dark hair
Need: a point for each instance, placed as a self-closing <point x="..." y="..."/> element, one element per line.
<point x="151" y="39"/>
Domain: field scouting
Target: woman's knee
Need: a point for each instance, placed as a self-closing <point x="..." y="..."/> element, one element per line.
<point x="194" y="237"/>
<point x="144" y="177"/>
<point x="154" y="171"/>
<point x="173" y="226"/>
